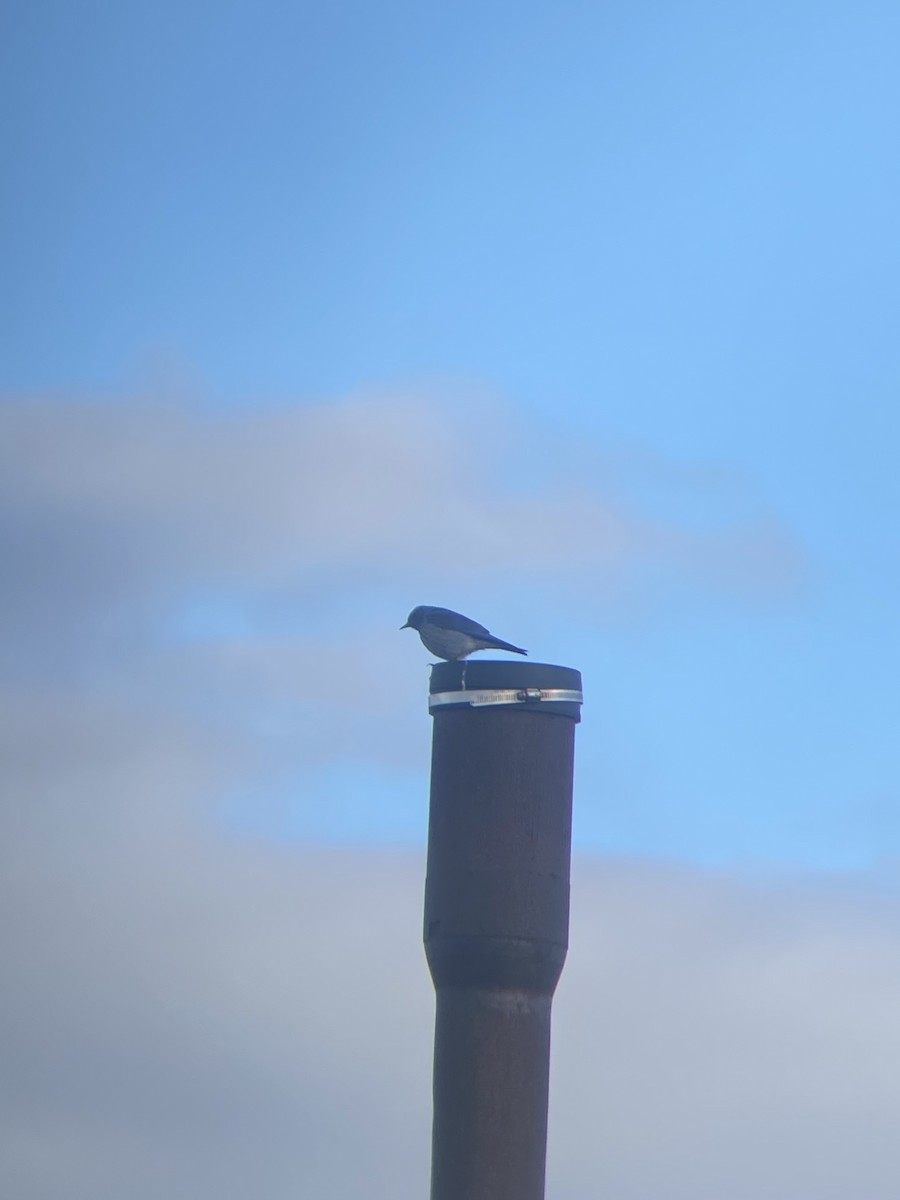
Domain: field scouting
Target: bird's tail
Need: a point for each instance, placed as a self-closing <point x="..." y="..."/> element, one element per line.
<point x="496" y="644"/>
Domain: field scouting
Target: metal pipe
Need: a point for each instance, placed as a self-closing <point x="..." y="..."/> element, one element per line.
<point x="496" y="916"/>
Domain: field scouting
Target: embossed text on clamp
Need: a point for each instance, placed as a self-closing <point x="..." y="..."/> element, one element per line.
<point x="478" y="699"/>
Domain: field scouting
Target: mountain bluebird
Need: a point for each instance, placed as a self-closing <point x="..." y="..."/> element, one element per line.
<point x="450" y="635"/>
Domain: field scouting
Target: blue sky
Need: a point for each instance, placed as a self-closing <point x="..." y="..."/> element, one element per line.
<point x="641" y="255"/>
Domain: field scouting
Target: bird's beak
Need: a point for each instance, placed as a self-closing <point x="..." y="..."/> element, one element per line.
<point x="406" y="626"/>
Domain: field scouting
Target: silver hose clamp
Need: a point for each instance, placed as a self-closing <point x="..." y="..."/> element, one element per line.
<point x="481" y="699"/>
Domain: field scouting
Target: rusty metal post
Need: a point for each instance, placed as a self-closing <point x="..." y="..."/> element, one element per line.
<point x="497" y="916"/>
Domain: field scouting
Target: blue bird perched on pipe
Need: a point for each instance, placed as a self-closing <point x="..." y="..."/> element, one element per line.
<point x="450" y="635"/>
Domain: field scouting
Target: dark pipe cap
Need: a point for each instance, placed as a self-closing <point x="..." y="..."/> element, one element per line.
<point x="537" y="687"/>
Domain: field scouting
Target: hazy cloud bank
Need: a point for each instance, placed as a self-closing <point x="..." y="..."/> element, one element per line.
<point x="111" y="501"/>
<point x="195" y="603"/>
<point x="189" y="1014"/>
<point x="237" y="569"/>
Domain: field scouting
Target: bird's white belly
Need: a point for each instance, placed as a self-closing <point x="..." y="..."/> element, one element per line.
<point x="448" y="643"/>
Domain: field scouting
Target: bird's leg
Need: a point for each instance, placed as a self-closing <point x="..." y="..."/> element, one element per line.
<point x="462" y="678"/>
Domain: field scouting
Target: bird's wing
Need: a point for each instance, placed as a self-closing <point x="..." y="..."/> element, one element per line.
<point x="448" y="619"/>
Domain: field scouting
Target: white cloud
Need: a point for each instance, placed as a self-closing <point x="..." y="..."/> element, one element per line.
<point x="386" y="484"/>
<point x="320" y="526"/>
<point x="718" y="1037"/>
<point x="186" y="1013"/>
